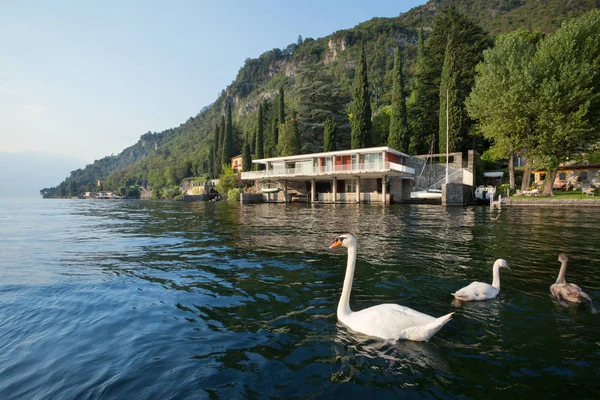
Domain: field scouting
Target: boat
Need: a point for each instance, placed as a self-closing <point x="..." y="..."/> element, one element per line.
<point x="426" y="194"/>
<point x="485" y="193"/>
<point x="270" y="190"/>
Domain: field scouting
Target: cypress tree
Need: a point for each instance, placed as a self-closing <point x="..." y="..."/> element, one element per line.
<point x="329" y="135"/>
<point x="215" y="164"/>
<point x="398" y="136"/>
<point x="246" y="157"/>
<point x="260" y="131"/>
<point x="449" y="94"/>
<point x="361" y="135"/>
<point x="281" y="108"/>
<point x="211" y="161"/>
<point x="228" y="139"/>
<point x="290" y="137"/>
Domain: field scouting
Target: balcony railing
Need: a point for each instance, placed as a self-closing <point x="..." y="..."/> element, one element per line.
<point x="304" y="170"/>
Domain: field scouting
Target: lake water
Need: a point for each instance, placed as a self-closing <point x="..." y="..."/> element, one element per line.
<point x="171" y="300"/>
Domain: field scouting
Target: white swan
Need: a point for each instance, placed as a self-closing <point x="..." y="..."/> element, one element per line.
<point x="386" y="321"/>
<point x="482" y="291"/>
<point x="568" y="291"/>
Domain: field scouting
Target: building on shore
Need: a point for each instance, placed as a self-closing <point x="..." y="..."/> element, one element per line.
<point x="371" y="175"/>
<point x="571" y="177"/>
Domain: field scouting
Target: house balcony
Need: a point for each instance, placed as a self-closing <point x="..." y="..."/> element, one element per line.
<point x="334" y="171"/>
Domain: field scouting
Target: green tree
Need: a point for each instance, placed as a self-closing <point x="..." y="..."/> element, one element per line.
<point x="216" y="156"/>
<point x="228" y="139"/>
<point x="468" y="43"/>
<point x="211" y="161"/>
<point x="502" y="92"/>
<point x="361" y="135"/>
<point x="246" y="156"/>
<point x="329" y="135"/>
<point x="398" y="135"/>
<point x="290" y="144"/>
<point x="317" y="99"/>
<point x="281" y="107"/>
<point x="450" y="112"/>
<point x="228" y="180"/>
<point x="260" y="131"/>
<point x="566" y="105"/>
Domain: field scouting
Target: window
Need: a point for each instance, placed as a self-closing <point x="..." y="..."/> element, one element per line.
<point x="562" y="176"/>
<point x="542" y="177"/>
<point x="583" y="175"/>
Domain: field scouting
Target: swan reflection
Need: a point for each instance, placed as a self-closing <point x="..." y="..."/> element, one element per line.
<point x="356" y="352"/>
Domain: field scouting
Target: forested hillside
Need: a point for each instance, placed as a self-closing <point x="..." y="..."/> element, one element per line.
<point x="313" y="81"/>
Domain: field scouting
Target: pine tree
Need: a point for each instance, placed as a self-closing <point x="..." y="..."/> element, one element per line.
<point x="361" y="135"/>
<point x="398" y="136"/>
<point x="246" y="156"/>
<point x="329" y="135"/>
<point x="450" y="105"/>
<point x="228" y="139"/>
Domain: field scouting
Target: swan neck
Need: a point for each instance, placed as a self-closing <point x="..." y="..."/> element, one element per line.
<point x="496" y="281"/>
<point x="561" y="274"/>
<point x="344" y="304"/>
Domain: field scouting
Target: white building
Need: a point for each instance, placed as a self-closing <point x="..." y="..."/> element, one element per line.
<point x="376" y="174"/>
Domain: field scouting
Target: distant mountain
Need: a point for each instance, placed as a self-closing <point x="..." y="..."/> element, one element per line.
<point x="24" y="174"/>
<point x="317" y="75"/>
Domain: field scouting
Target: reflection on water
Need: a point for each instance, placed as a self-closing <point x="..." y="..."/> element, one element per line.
<point x="127" y="299"/>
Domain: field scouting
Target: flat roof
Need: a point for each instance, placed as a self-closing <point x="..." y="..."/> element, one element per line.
<point x="332" y="153"/>
<point x="493" y="174"/>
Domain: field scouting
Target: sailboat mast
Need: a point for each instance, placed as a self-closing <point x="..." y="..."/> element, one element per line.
<point x="447" y="118"/>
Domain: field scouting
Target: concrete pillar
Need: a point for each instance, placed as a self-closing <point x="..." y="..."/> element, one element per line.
<point x="313" y="188"/>
<point x="285" y="196"/>
<point x="334" y="189"/>
<point x="358" y="189"/>
<point x="383" y="189"/>
<point x="333" y="164"/>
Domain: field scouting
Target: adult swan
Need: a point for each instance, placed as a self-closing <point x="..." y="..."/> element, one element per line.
<point x="386" y="321"/>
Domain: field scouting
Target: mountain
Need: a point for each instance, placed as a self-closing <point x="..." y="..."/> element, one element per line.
<point x="317" y="75"/>
<point x="23" y="174"/>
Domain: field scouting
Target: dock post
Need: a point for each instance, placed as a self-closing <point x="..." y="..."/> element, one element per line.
<point x="334" y="189"/>
<point x="358" y="189"/>
<point x="383" y="189"/>
<point x="313" y="188"/>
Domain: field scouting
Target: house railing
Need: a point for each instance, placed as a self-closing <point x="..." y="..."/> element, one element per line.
<point x="304" y="170"/>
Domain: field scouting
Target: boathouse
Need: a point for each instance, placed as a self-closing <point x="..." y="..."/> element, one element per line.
<point x="376" y="174"/>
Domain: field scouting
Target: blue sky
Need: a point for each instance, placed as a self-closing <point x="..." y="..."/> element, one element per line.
<point x="87" y="78"/>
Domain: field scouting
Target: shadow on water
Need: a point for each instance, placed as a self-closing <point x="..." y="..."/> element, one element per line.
<point x="183" y="300"/>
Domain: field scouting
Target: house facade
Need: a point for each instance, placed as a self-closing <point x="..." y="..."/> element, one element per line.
<point x="376" y="174"/>
<point x="572" y="176"/>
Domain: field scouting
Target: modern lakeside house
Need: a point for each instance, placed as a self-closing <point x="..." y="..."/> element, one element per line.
<point x="376" y="174"/>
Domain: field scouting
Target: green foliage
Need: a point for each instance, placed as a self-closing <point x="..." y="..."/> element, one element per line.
<point x="361" y="135"/>
<point x="329" y="135"/>
<point x="228" y="180"/>
<point x="246" y="156"/>
<point x="227" y="151"/>
<point x="450" y="104"/>
<point x="290" y="142"/>
<point x="502" y="91"/>
<point x="234" y="194"/>
<point x="260" y="131"/>
<point x="398" y="132"/>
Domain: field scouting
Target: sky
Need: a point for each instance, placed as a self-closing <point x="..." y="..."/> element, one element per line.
<point x="88" y="78"/>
